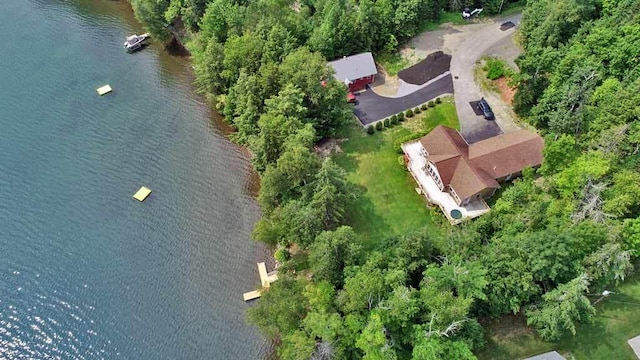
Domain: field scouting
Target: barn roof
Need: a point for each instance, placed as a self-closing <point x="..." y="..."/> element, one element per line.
<point x="354" y="67"/>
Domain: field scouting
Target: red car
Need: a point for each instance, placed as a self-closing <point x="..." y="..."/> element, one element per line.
<point x="351" y="97"/>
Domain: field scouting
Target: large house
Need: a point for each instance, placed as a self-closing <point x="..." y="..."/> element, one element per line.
<point x="356" y="71"/>
<point x="458" y="176"/>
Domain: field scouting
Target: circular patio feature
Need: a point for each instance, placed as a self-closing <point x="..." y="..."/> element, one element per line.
<point x="456" y="214"/>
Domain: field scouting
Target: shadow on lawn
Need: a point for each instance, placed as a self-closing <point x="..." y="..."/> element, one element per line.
<point x="362" y="216"/>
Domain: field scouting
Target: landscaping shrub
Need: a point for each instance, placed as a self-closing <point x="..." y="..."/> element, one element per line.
<point x="409" y="113"/>
<point x="424" y="107"/>
<point x="387" y="122"/>
<point x="400" y="116"/>
<point x="394" y="120"/>
<point x="282" y="255"/>
<point x="370" y="129"/>
<point x="416" y="110"/>
<point x="401" y="160"/>
<point x="438" y="101"/>
<point x="431" y="104"/>
<point x="495" y="69"/>
<point x="379" y="125"/>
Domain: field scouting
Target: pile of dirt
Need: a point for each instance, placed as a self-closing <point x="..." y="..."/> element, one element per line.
<point x="434" y="65"/>
<point x="506" y="92"/>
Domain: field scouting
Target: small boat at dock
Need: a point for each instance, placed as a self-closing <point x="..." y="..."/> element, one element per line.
<point x="135" y="42"/>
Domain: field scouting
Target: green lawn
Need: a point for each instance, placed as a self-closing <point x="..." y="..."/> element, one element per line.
<point x="388" y="204"/>
<point x="617" y="320"/>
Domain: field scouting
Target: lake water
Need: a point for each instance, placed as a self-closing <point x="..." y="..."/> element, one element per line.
<point x="86" y="272"/>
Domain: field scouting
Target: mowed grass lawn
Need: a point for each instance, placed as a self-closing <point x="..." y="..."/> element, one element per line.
<point x="617" y="320"/>
<point x="388" y="203"/>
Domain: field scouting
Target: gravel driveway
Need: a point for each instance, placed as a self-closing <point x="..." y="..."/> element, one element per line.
<point x="482" y="41"/>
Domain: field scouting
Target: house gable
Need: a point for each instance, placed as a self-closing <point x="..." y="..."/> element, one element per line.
<point x="474" y="169"/>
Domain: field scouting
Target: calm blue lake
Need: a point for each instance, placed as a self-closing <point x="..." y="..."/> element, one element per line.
<point x="86" y="272"/>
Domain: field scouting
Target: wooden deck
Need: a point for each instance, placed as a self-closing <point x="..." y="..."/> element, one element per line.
<point x="265" y="279"/>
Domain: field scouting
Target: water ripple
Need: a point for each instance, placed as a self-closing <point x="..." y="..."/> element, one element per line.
<point x="86" y="272"/>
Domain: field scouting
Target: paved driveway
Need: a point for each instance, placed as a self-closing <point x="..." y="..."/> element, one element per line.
<point x="371" y="107"/>
<point x="478" y="43"/>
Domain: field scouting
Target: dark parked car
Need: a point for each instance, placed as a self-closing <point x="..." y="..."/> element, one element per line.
<point x="486" y="109"/>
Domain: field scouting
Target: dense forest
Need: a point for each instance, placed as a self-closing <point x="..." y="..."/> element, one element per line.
<point x="570" y="228"/>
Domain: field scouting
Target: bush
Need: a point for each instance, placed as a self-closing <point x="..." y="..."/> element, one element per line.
<point x="495" y="69"/>
<point x="387" y="122"/>
<point x="416" y="110"/>
<point x="282" y="255"/>
<point x="438" y="101"/>
<point x="370" y="129"/>
<point x="400" y="116"/>
<point x="424" y="107"/>
<point x="431" y="104"/>
<point x="379" y="125"/>
<point x="401" y="160"/>
<point x="409" y="113"/>
<point x="394" y="119"/>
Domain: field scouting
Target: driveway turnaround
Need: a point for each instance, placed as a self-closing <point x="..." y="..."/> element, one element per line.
<point x="371" y="107"/>
<point x="463" y="60"/>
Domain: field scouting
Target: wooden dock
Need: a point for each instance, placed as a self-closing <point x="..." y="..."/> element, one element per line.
<point x="265" y="279"/>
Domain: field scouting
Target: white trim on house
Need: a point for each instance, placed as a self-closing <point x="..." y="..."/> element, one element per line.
<point x="433" y="193"/>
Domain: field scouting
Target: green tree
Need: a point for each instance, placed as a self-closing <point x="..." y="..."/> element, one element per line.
<point x="221" y="19"/>
<point x="151" y="14"/>
<point x="561" y="309"/>
<point x="326" y="105"/>
<point x="511" y="280"/>
<point x="466" y="279"/>
<point x="559" y="152"/>
<point x="610" y="263"/>
<point x="373" y="341"/>
<point x="331" y="252"/>
<point x="631" y="235"/>
<point x="208" y="59"/>
<point x="280" y="309"/>
<point x="436" y="348"/>
<point x="623" y="197"/>
<point x="331" y="193"/>
<point x="297" y="346"/>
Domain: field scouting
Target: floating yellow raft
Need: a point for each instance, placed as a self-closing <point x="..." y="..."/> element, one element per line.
<point x="104" y="90"/>
<point x="142" y="193"/>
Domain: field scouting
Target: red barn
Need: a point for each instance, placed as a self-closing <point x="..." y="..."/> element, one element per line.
<point x="355" y="71"/>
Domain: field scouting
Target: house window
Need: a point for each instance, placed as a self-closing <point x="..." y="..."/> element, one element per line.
<point x="453" y="193"/>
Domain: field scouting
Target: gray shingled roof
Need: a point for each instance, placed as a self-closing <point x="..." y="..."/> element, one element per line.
<point x="552" y="355"/>
<point x="354" y="67"/>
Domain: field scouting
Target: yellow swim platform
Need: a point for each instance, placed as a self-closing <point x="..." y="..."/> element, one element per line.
<point x="142" y="193"/>
<point x="104" y="90"/>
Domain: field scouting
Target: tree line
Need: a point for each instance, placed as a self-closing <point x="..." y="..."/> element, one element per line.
<point x="570" y="228"/>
